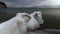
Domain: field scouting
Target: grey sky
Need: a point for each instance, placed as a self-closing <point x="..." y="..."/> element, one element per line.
<point x="32" y="3"/>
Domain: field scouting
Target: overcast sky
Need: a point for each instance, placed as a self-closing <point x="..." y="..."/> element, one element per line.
<point x="32" y="3"/>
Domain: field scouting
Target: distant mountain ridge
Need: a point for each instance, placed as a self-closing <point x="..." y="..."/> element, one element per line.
<point x="55" y="6"/>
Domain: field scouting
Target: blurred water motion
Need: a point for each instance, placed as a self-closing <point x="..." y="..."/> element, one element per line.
<point x="46" y="31"/>
<point x="51" y="16"/>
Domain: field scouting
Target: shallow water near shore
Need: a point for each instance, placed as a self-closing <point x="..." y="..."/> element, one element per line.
<point x="46" y="31"/>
